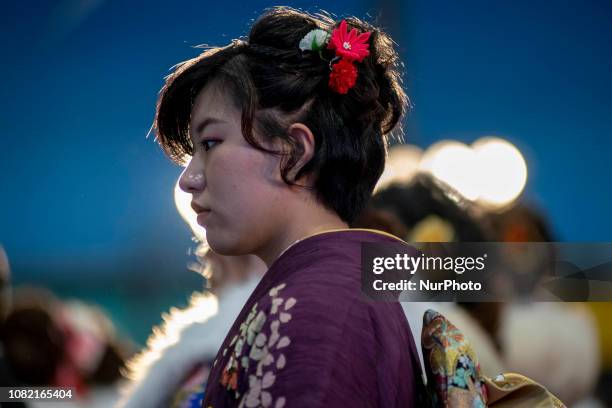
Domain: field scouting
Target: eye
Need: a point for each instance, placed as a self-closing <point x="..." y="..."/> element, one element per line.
<point x="209" y="143"/>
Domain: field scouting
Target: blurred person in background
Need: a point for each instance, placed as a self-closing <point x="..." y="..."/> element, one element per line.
<point x="172" y="370"/>
<point x="538" y="340"/>
<point x="555" y="343"/>
<point x="421" y="210"/>
<point x="50" y="342"/>
<point x="424" y="209"/>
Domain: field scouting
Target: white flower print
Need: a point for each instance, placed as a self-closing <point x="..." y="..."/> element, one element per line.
<point x="261" y="343"/>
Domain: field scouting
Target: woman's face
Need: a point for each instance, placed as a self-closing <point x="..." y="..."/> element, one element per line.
<point x="236" y="189"/>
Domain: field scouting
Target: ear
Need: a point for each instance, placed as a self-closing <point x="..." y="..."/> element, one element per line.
<point x="305" y="147"/>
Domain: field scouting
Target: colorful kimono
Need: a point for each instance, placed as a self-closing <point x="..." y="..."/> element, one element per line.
<point x="455" y="379"/>
<point x="307" y="337"/>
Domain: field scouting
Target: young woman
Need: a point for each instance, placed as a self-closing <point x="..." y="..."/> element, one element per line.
<point x="286" y="133"/>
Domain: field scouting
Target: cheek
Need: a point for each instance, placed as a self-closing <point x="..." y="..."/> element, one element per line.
<point x="251" y="166"/>
<point x="244" y="169"/>
<point x="246" y="185"/>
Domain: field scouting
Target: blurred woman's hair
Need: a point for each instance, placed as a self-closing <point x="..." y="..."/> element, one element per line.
<point x="33" y="344"/>
<point x="40" y="334"/>
<point x="424" y="197"/>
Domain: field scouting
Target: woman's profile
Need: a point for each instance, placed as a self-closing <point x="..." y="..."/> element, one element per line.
<point x="286" y="132"/>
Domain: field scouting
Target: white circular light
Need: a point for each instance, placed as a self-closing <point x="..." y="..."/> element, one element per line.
<point x="503" y="172"/>
<point x="455" y="164"/>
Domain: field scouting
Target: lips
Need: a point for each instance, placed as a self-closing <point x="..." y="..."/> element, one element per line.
<point x="201" y="211"/>
<point x="201" y="218"/>
<point x="198" y="208"/>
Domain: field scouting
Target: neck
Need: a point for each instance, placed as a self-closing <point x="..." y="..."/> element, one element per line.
<point x="309" y="221"/>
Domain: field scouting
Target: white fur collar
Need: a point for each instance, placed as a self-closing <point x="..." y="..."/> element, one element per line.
<point x="185" y="338"/>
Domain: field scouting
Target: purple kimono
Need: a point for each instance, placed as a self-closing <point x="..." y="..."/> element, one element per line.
<point x="307" y="337"/>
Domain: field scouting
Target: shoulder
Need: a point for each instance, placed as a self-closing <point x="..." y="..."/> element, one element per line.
<point x="327" y="324"/>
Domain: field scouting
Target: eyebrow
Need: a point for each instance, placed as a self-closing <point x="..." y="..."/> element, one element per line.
<point x="206" y="122"/>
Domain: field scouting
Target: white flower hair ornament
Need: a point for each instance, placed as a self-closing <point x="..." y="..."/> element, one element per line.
<point x="315" y="40"/>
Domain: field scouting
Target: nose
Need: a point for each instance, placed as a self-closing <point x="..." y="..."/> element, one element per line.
<point x="192" y="179"/>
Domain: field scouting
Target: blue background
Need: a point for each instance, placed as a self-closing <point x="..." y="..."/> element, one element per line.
<point x="86" y="199"/>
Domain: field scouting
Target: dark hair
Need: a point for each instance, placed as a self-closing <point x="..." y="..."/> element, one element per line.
<point x="424" y="196"/>
<point x="522" y="223"/>
<point x="35" y="343"/>
<point x="32" y="342"/>
<point x="274" y="83"/>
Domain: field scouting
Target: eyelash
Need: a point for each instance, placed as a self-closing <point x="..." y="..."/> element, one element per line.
<point x="206" y="146"/>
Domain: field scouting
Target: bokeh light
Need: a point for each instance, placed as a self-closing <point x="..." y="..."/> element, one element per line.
<point x="454" y="164"/>
<point x="503" y="172"/>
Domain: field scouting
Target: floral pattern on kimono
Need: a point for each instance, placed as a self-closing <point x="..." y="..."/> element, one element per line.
<point x="454" y="378"/>
<point x="451" y="365"/>
<point x="253" y="346"/>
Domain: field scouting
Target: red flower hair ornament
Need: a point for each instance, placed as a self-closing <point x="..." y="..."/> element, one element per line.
<point x="343" y="76"/>
<point x="349" y="47"/>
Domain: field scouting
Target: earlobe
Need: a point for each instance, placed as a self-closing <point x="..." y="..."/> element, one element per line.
<point x="305" y="147"/>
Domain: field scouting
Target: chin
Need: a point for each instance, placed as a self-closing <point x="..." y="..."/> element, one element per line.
<point x="225" y="246"/>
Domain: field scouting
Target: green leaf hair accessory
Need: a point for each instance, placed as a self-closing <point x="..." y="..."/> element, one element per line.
<point x="315" y="40"/>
